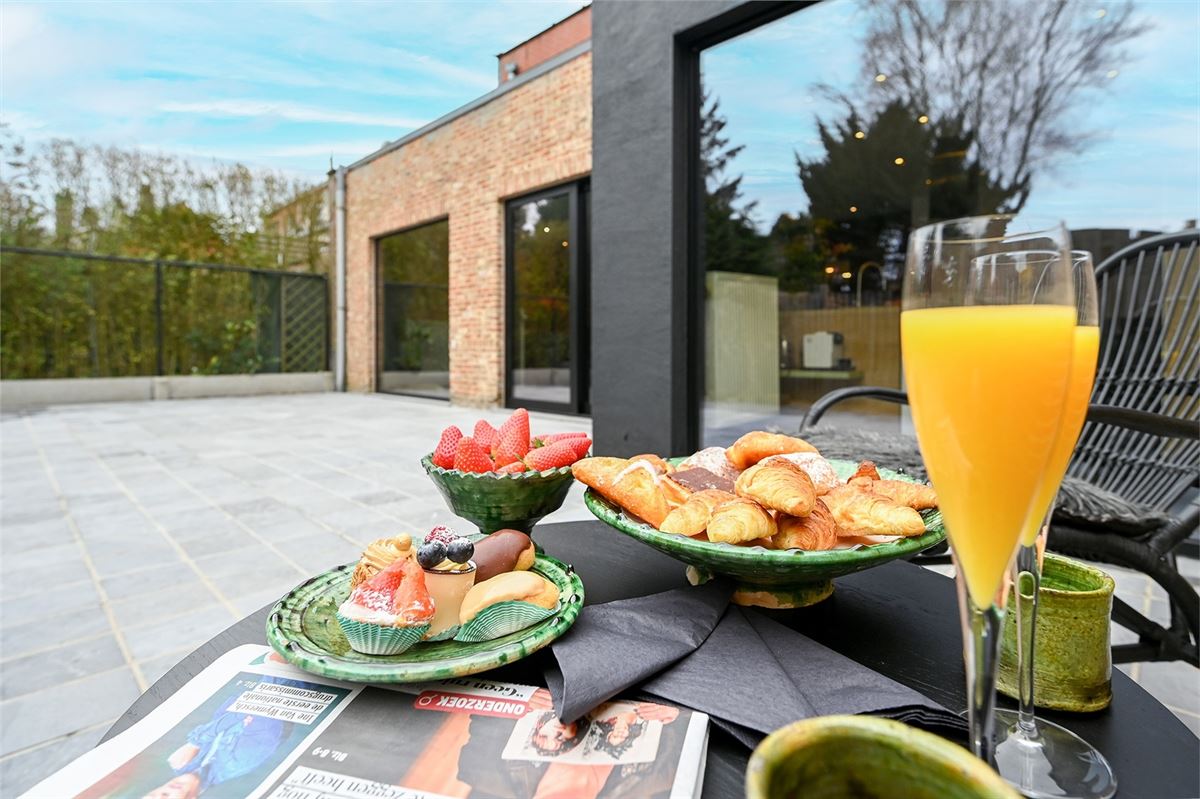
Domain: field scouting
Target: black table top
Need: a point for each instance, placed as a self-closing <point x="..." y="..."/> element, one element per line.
<point x="899" y="619"/>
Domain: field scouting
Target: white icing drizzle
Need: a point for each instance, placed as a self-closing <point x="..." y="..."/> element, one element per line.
<point x="634" y="466"/>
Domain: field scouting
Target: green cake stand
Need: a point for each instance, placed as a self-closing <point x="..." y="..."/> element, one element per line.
<point x="304" y="630"/>
<point x="771" y="578"/>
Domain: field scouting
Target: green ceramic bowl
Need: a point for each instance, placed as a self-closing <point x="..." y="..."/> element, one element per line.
<point x="494" y="502"/>
<point x="832" y="757"/>
<point x="766" y="577"/>
<point x="304" y="629"/>
<point x="1072" y="658"/>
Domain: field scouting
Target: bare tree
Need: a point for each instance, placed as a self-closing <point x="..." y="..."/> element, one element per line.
<point x="1008" y="73"/>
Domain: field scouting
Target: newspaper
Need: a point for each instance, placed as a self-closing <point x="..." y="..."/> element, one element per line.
<point x="251" y="725"/>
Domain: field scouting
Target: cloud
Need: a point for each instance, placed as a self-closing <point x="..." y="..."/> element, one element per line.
<point x="288" y="111"/>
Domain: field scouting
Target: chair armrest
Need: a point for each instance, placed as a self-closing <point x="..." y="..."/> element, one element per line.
<point x="851" y="392"/>
<point x="1156" y="424"/>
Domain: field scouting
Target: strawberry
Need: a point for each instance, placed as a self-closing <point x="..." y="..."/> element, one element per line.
<point x="444" y="454"/>
<point x="560" y="453"/>
<point x="485" y="434"/>
<point x="581" y="445"/>
<point x="550" y="438"/>
<point x="512" y="439"/>
<point x="516" y="467"/>
<point x="470" y="457"/>
<point x="411" y="600"/>
<point x="376" y="593"/>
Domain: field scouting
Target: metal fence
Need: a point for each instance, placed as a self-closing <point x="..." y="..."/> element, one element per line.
<point x="70" y="314"/>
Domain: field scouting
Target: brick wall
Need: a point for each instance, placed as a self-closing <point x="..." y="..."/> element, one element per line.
<point x="535" y="135"/>
<point x="558" y="38"/>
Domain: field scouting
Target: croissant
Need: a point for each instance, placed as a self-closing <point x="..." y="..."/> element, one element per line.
<point x="691" y="518"/>
<point x="739" y="520"/>
<point x="824" y="477"/>
<point x="753" y="447"/>
<point x="660" y="465"/>
<point x="779" y="485"/>
<point x="860" y="512"/>
<point x="816" y="531"/>
<point x="865" y="469"/>
<point x="914" y="495"/>
<point x="634" y="485"/>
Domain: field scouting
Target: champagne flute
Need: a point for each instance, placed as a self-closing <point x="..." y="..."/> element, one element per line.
<point x="1039" y="758"/>
<point x="987" y="334"/>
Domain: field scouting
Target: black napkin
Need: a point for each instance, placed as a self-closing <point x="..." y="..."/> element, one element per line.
<point x="760" y="675"/>
<point x="751" y="674"/>
<point x="618" y="644"/>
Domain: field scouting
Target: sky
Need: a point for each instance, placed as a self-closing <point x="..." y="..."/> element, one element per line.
<point x="292" y="85"/>
<point x="1142" y="172"/>
<point x="280" y="85"/>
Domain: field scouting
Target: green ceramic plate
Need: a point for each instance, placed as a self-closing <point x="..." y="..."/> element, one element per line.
<point x="768" y="577"/>
<point x="303" y="628"/>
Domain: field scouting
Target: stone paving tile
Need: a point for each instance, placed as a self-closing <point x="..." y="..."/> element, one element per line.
<point x="33" y="537"/>
<point x="37" y="717"/>
<point x="224" y="541"/>
<point x="24" y="675"/>
<point x="23" y="770"/>
<point x="182" y="596"/>
<point x="278" y="576"/>
<point x="35" y="558"/>
<point x="187" y="630"/>
<point x="75" y="598"/>
<point x="37" y="578"/>
<point x="144" y="581"/>
<point x="279" y="533"/>
<point x="20" y="638"/>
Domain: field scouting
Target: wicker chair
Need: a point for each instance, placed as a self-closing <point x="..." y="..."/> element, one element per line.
<point x="1130" y="493"/>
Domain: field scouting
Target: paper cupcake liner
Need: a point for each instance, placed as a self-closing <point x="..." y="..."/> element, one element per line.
<point x="444" y="635"/>
<point x="501" y="619"/>
<point x="375" y="639"/>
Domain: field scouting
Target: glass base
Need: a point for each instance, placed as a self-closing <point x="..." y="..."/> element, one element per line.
<point x="1055" y="764"/>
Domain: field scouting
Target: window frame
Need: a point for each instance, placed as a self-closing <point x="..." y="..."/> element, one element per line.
<point x="578" y="299"/>
<point x="380" y="306"/>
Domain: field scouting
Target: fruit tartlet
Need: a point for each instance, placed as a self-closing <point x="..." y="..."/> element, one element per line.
<point x="388" y="613"/>
<point x="449" y="573"/>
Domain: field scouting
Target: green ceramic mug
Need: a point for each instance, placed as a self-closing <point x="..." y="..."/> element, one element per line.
<point x="832" y="757"/>
<point x="1072" y="667"/>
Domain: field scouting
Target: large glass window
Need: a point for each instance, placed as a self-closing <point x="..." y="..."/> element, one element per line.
<point x="414" y="271"/>
<point x="829" y="134"/>
<point x="547" y="300"/>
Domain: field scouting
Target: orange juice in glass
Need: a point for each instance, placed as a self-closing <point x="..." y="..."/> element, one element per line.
<point x="1041" y="758"/>
<point x="1079" y="391"/>
<point x="986" y="384"/>
<point x="987" y="335"/>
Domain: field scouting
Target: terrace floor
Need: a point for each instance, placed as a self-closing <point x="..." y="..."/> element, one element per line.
<point x="133" y="532"/>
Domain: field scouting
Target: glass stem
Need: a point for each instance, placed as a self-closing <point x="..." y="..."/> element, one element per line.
<point x="1027" y="579"/>
<point x="982" y="628"/>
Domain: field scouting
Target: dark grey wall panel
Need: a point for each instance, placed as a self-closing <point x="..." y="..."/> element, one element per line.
<point x="640" y="333"/>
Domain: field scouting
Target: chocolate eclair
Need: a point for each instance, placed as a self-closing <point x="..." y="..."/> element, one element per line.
<point x="502" y="551"/>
